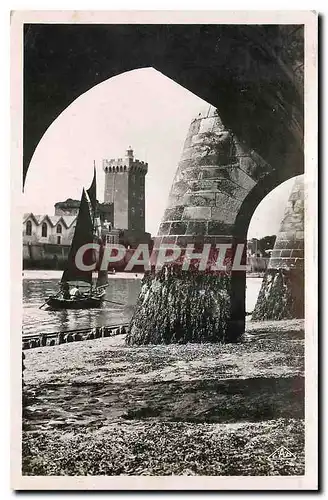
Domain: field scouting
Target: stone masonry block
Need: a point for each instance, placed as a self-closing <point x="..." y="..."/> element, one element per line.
<point x="179" y="188"/>
<point x="174" y="213"/>
<point x="175" y="200"/>
<point x="205" y="199"/>
<point x="197" y="228"/>
<point x="204" y="185"/>
<point x="191" y="174"/>
<point x="178" y="228"/>
<point x="298" y="252"/>
<point x="169" y="240"/>
<point x="228" y="202"/>
<point x="164" y="228"/>
<point x="286" y="253"/>
<point x="230" y="188"/>
<point x="217" y="228"/>
<point x="197" y="213"/>
<point x="223" y="214"/>
<point x="183" y="241"/>
<point x="188" y="153"/>
<point x="207" y="124"/>
<point x="243" y="180"/>
<point x="281" y="243"/>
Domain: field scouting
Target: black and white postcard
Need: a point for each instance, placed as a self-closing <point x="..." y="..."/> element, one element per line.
<point x="164" y="250"/>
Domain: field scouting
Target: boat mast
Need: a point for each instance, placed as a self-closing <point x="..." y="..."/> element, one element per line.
<point x="92" y="193"/>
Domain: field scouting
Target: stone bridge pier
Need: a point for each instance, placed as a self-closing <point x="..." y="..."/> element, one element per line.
<point x="282" y="290"/>
<point x="217" y="186"/>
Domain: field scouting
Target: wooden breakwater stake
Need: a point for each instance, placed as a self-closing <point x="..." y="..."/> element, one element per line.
<point x="57" y="338"/>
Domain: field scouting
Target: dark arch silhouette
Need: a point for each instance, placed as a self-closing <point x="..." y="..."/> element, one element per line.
<point x="246" y="71"/>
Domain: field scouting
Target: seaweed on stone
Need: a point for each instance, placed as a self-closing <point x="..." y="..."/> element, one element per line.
<point x="178" y="306"/>
<point x="281" y="295"/>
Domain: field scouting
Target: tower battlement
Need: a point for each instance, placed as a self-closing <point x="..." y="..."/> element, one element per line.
<point x="119" y="165"/>
<point x="125" y="188"/>
<point x="127" y="164"/>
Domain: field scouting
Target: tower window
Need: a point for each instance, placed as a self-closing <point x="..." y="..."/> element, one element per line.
<point x="59" y="229"/>
<point x="44" y="230"/>
<point x="58" y="240"/>
<point x="28" y="228"/>
<point x="133" y="179"/>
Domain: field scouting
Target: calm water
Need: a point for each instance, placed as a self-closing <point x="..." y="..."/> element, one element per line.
<point x="38" y="285"/>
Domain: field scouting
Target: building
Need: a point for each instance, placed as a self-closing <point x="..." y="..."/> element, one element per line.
<point x="54" y="229"/>
<point x="68" y="207"/>
<point x="71" y="207"/>
<point x="120" y="219"/>
<point x="125" y="191"/>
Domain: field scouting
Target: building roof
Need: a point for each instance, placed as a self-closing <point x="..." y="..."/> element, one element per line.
<point x="67" y="220"/>
<point x="68" y="203"/>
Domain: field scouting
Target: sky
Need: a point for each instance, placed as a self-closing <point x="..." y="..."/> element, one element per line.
<point x="145" y="110"/>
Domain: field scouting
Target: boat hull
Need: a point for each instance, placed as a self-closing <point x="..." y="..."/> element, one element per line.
<point x="78" y="303"/>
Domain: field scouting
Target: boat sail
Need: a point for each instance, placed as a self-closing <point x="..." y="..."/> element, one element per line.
<point x="84" y="234"/>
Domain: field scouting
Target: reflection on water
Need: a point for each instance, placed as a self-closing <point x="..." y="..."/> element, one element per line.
<point x="38" y="285"/>
<point x="36" y="290"/>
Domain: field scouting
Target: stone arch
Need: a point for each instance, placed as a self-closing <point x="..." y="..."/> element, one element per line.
<point x="269" y="50"/>
<point x="282" y="289"/>
<point x="243" y="218"/>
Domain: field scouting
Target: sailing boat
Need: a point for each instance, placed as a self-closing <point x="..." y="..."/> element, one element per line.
<point x="72" y="275"/>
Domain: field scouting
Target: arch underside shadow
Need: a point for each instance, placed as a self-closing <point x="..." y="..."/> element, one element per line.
<point x="222" y="64"/>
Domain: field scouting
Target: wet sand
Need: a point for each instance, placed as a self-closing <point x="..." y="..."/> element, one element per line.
<point x="101" y="407"/>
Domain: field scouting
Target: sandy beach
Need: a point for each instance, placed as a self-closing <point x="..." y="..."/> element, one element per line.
<point x="101" y="407"/>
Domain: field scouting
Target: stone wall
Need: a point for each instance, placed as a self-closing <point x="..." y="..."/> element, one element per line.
<point x="44" y="256"/>
<point x="213" y="178"/>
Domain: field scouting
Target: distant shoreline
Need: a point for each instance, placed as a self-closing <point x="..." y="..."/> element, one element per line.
<point x="56" y="274"/>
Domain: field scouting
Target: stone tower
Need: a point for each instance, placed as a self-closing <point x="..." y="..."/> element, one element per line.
<point x="214" y="176"/>
<point x="282" y="291"/>
<point x="125" y="188"/>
